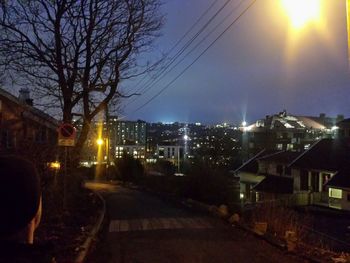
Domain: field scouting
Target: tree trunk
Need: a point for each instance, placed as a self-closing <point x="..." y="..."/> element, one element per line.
<point x="80" y="141"/>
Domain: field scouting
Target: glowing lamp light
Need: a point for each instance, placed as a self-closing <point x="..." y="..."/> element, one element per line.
<point x="241" y="195"/>
<point x="99" y="142"/>
<point x="54" y="165"/>
<point x="335" y="128"/>
<point x="301" y="12"/>
<point x="244" y="123"/>
<point x="186" y="138"/>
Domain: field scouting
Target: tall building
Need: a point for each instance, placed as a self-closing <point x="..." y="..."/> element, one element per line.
<point x="128" y="137"/>
<point x="130" y="133"/>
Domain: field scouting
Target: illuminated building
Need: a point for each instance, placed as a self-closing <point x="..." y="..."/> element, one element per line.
<point x="286" y="132"/>
<point x="172" y="153"/>
<point x="128" y="137"/>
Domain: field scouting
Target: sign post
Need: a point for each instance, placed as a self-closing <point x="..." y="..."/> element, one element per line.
<point x="66" y="137"/>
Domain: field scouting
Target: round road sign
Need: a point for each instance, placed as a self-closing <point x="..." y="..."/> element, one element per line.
<point x="67" y="131"/>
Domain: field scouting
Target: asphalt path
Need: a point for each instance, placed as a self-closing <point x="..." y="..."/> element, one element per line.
<point x="140" y="227"/>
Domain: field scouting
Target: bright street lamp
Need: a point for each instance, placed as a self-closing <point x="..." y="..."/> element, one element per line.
<point x="99" y="141"/>
<point x="302" y="12"/>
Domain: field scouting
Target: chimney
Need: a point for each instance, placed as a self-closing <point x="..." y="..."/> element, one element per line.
<point x="24" y="96"/>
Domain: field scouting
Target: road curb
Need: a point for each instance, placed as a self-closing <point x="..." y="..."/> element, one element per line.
<point x="84" y="249"/>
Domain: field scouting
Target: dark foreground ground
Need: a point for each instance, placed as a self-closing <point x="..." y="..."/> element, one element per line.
<point x="142" y="228"/>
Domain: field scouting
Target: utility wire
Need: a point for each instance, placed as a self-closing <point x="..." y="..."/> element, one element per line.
<point x="177" y="43"/>
<point x="198" y="57"/>
<point x="193" y="49"/>
<point x="182" y="50"/>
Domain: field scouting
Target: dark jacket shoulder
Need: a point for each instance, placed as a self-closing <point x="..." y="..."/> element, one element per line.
<point x="26" y="253"/>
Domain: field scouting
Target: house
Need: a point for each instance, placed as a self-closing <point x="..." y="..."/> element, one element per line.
<point x="315" y="167"/>
<point x="24" y="129"/>
<point x="320" y="175"/>
<point x="248" y="174"/>
<point x="277" y="180"/>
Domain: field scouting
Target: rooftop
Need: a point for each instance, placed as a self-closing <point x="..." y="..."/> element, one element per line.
<point x="326" y="154"/>
<point x="340" y="179"/>
<point x="285" y="157"/>
<point x="275" y="184"/>
<point x="252" y="166"/>
<point x="36" y="112"/>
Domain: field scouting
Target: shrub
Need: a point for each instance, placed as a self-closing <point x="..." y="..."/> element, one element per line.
<point x="129" y="169"/>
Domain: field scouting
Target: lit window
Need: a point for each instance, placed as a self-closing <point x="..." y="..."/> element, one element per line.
<point x="335" y="193"/>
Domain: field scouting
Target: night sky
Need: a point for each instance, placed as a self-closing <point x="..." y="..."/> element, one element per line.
<point x="260" y="66"/>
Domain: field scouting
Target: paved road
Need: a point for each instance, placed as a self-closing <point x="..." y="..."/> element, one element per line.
<point x="143" y="228"/>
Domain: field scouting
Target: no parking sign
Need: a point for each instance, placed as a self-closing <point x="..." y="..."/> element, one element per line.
<point x="66" y="135"/>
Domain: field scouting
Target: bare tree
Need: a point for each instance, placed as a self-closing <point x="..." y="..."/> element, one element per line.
<point x="75" y="53"/>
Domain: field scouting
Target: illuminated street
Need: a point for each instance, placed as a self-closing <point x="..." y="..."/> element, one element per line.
<point x="142" y="228"/>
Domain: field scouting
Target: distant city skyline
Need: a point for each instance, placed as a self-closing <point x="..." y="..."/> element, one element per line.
<point x="246" y="121"/>
<point x="259" y="67"/>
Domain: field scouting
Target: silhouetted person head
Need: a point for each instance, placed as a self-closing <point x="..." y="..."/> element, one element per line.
<point x="20" y="199"/>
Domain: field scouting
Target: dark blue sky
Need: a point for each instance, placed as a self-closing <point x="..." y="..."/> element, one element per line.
<point x="259" y="67"/>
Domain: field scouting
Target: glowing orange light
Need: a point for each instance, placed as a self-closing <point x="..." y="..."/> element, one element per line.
<point x="54" y="165"/>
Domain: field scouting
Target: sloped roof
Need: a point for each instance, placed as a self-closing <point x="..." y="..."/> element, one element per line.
<point x="285" y="121"/>
<point x="341" y="179"/>
<point x="328" y="122"/>
<point x="283" y="157"/>
<point x="252" y="166"/>
<point x="51" y="121"/>
<point x="326" y="154"/>
<point x="275" y="184"/>
<point x="312" y="122"/>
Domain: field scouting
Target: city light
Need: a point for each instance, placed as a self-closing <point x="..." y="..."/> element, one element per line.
<point x="301" y="12"/>
<point x="244" y="123"/>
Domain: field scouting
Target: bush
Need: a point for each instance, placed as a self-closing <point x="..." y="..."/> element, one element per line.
<point x="129" y="169"/>
<point x="209" y="186"/>
<point x="201" y="183"/>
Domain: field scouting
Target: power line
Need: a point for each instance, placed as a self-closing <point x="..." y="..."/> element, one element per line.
<point x="178" y="42"/>
<point x="193" y="49"/>
<point x="198" y="57"/>
<point x="180" y="52"/>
